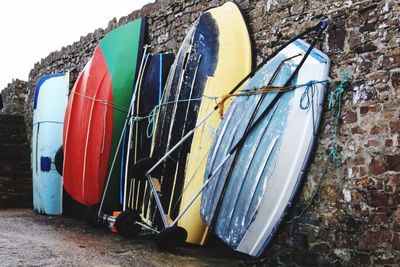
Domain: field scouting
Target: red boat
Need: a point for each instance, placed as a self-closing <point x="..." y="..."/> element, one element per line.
<point x="95" y="116"/>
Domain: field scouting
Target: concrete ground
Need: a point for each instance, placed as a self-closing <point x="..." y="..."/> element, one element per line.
<point x="27" y="239"/>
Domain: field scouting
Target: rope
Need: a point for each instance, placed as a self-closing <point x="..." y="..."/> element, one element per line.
<point x="307" y="99"/>
<point x="335" y="104"/>
<point x="264" y="90"/>
<point x="104" y="102"/>
<point x="152" y="115"/>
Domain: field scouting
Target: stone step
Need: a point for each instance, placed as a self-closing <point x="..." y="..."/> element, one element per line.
<point x="23" y="180"/>
<point x="15" y="200"/>
<point x="12" y="129"/>
<point x="16" y="173"/>
<point x="14" y="156"/>
<point x="15" y="188"/>
<point x="11" y="119"/>
<point x="15" y="170"/>
<point x="22" y="148"/>
<point x="20" y="165"/>
<point x="13" y="138"/>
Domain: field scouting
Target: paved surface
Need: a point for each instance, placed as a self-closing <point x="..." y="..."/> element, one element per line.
<point x="27" y="239"/>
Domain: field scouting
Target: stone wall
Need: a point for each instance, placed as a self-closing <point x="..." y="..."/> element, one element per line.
<point x="14" y="98"/>
<point x="354" y="219"/>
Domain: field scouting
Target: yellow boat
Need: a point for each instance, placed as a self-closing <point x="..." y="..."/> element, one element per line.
<point x="234" y="62"/>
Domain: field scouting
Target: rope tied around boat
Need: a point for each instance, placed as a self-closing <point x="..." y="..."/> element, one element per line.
<point x="335" y="104"/>
<point x="152" y="115"/>
<point x="262" y="90"/>
<point x="310" y="86"/>
<point x="104" y="102"/>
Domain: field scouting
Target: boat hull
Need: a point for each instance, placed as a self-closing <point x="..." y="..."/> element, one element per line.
<point x="213" y="58"/>
<point x="248" y="197"/>
<point x="96" y="114"/>
<point x="50" y="101"/>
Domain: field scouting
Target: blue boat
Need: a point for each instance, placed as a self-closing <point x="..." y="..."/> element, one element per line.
<point x="50" y="101"/>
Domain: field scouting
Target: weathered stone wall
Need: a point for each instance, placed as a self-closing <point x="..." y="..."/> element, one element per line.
<point x="14" y="98"/>
<point x="354" y="219"/>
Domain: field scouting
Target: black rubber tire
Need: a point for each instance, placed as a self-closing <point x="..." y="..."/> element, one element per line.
<point x="140" y="168"/>
<point x="125" y="223"/>
<point x="171" y="237"/>
<point x="92" y="218"/>
<point x="59" y="160"/>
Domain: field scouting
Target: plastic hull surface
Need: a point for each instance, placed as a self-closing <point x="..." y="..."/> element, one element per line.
<point x="213" y="58"/>
<point x="248" y="197"/>
<point x="96" y="113"/>
<point x="50" y="101"/>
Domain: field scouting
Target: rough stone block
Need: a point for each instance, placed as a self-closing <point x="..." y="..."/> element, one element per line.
<point x="372" y="240"/>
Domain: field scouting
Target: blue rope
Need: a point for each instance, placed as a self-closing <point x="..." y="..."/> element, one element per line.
<point x="310" y="87"/>
<point x="312" y="82"/>
<point x="335" y="103"/>
<point x="307" y="98"/>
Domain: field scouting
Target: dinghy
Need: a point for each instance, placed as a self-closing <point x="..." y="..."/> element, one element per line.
<point x="50" y="101"/>
<point x="213" y="58"/>
<point x="96" y="113"/>
<point x="251" y="187"/>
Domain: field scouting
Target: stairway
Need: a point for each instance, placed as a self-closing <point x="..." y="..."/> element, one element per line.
<point x="15" y="170"/>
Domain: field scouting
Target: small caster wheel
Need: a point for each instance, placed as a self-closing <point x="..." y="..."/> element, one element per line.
<point x="92" y="218"/>
<point x="171" y="237"/>
<point x="126" y="223"/>
<point x="59" y="160"/>
<point x="140" y="168"/>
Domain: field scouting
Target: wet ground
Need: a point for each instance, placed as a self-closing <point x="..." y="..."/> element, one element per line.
<point x="27" y="239"/>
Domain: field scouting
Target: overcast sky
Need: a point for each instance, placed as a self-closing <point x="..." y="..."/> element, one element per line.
<point x="31" y="29"/>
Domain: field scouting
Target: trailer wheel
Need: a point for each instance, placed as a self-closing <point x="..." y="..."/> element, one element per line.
<point x="126" y="223"/>
<point x="171" y="237"/>
<point x="140" y="168"/>
<point x="59" y="160"/>
<point x="92" y="218"/>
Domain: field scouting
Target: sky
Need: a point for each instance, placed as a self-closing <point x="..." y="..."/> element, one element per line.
<point x="31" y="29"/>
